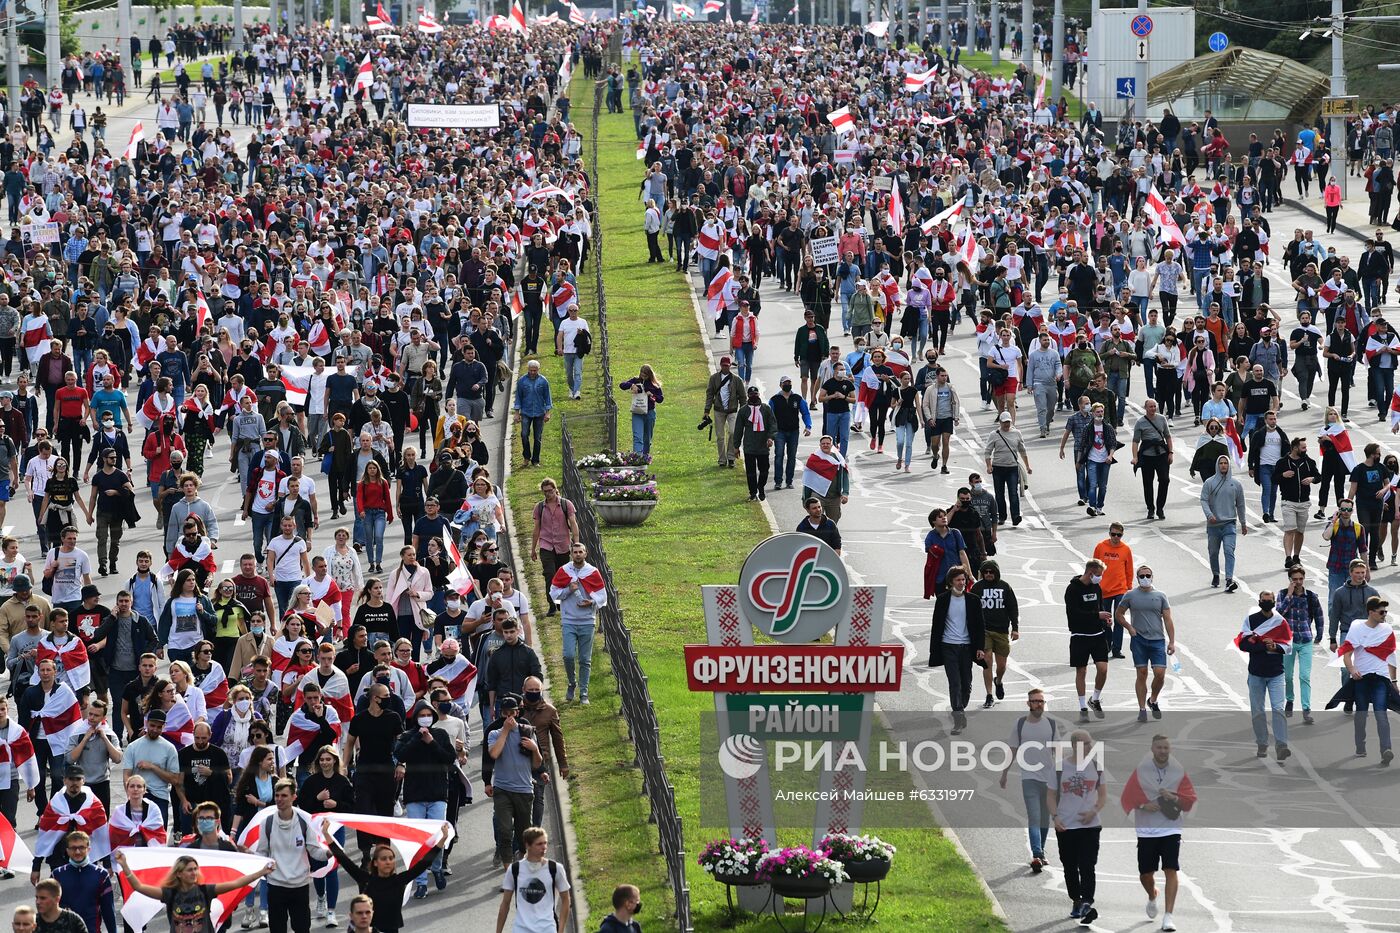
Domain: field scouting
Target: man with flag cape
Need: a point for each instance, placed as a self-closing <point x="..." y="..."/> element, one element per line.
<point x="826" y="477"/>
<point x="77" y="807"/>
<point x="1157" y="794"/>
<point x="580" y="590"/>
<point x="1266" y="637"/>
<point x="1367" y="652"/>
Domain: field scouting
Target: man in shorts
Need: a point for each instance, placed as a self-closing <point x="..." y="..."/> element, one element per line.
<point x="1006" y="357"/>
<point x="1157" y="794"/>
<point x="1152" y="637"/>
<point x="1000" y="620"/>
<point x="1088" y="635"/>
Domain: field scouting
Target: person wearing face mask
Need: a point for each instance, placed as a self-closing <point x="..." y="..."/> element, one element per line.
<point x="369" y="750"/>
<point x="87" y="887"/>
<point x="425" y="756"/>
<point x="1097" y="441"/>
<point x="1152" y="637"/>
<point x="1075" y="426"/>
<point x="627" y="903"/>
<point x="1088" y="635"/>
<point x="1266" y="637"/>
<point x="208" y="819"/>
<point x="549" y="732"/>
<point x="255" y="643"/>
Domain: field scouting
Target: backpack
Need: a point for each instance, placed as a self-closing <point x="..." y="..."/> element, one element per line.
<point x="553" y="882"/>
<point x="1022" y="721"/>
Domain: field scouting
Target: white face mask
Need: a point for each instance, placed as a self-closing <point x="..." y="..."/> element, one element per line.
<point x="1145" y="582"/>
<point x="242" y="706"/>
<point x="425" y="721"/>
<point x="1096" y="578"/>
<point x="454" y="604"/>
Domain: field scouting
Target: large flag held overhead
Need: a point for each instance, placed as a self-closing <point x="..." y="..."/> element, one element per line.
<point x="1167" y="230"/>
<point x="914" y="81"/>
<point x="137" y="134"/>
<point x="410" y="839"/>
<point x="950" y="214"/>
<point x="842" y="121"/>
<point x="426" y="24"/>
<point x="152" y="864"/>
<point x="517" y="19"/>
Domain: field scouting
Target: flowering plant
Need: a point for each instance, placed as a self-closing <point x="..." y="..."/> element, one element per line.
<point x="800" y="862"/>
<point x="615" y="458"/>
<point x="845" y="848"/>
<point x="733" y="856"/>
<point x="642" y="492"/>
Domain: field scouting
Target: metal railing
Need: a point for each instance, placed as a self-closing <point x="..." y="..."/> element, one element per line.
<point x="638" y="710"/>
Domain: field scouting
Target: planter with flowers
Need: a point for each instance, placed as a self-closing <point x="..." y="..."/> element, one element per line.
<point x="800" y="872"/>
<point x="625" y="497"/>
<point x="734" y="862"/>
<point x="615" y="461"/>
<point x="866" y="859"/>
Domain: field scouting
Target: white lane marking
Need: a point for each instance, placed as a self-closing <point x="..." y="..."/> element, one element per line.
<point x="229" y="566"/>
<point x="1363" y="858"/>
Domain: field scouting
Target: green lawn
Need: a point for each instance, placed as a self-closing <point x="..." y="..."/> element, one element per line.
<point x="982" y="61"/>
<point x="699" y="534"/>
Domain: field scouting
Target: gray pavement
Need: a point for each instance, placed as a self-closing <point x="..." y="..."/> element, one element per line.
<point x="473" y="893"/>
<point x="1273" y="876"/>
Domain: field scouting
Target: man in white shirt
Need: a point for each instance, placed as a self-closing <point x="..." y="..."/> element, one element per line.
<point x="539" y="887"/>
<point x="288" y="839"/>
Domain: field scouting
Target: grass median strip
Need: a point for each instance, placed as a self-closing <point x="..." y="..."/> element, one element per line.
<point x="700" y="533"/>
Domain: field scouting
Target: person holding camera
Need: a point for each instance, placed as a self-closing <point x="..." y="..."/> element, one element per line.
<point x="516" y="757"/>
<point x="724" y="394"/>
<point x="1157" y="794"/>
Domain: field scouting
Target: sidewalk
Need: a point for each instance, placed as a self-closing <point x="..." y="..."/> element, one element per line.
<point x="1354" y="216"/>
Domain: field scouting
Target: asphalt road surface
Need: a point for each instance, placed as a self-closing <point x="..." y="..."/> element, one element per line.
<point x="1266" y="873"/>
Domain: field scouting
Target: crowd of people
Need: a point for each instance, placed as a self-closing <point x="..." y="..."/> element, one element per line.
<point x="926" y="209"/>
<point x="334" y="294"/>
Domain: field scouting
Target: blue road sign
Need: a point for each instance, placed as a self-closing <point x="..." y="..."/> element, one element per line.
<point x="1141" y="26"/>
<point x="1219" y="41"/>
<point x="1126" y="88"/>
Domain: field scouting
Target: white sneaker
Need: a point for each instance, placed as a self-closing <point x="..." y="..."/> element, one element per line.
<point x="249" y="917"/>
<point x="1152" y="908"/>
<point x="331" y="922"/>
<point x="320" y="912"/>
<point x="1167" y="922"/>
<point x="262" y="919"/>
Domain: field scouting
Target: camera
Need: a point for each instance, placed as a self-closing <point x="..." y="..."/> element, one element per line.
<point x="705" y="422"/>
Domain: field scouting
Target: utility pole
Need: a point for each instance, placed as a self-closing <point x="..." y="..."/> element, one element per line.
<point x="1057" y="52"/>
<point x="12" y="65"/>
<point x="996" y="33"/>
<point x="1337" y="125"/>
<point x="1027" y="27"/>
<point x="238" y="35"/>
<point x="1140" y="72"/>
<point x="53" y="59"/>
<point x="124" y="38"/>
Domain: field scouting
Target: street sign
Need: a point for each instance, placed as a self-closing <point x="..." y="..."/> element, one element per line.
<point x="1219" y="42"/>
<point x="1141" y="26"/>
<point x="1341" y="106"/>
<point x="1126" y="88"/>
<point x="1142" y="50"/>
<point x="770" y="668"/>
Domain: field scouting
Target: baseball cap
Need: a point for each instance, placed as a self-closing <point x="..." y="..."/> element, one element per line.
<point x="91" y="592"/>
<point x="156" y="715"/>
<point x="1005" y="416"/>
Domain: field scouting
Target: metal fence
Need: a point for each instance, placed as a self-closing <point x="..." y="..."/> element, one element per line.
<point x="638" y="710"/>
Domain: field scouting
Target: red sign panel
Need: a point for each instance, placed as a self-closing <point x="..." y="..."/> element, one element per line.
<point x="781" y="668"/>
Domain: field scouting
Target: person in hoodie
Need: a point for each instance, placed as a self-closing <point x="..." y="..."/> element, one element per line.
<point x="425" y="757"/>
<point x="1266" y="638"/>
<point x="1222" y="501"/>
<point x="1001" y="621"/>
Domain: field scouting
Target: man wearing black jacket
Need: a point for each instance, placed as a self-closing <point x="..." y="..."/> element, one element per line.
<point x="1295" y="475"/>
<point x="1002" y="624"/>
<point x="510" y="664"/>
<point x="1266" y="638"/>
<point x="1268" y="445"/>
<point x="958" y="636"/>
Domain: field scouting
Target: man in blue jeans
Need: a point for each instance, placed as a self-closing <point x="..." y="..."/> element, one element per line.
<point x="1036" y="732"/>
<point x="788" y="409"/>
<point x="580" y="590"/>
<point x="532" y="407"/>
<point x="1222" y="501"/>
<point x="1368" y="652"/>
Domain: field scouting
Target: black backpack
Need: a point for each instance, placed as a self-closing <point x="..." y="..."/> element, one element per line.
<point x="553" y="878"/>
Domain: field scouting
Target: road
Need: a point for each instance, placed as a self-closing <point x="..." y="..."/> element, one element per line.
<point x="472" y="895"/>
<point x="1271" y="876"/>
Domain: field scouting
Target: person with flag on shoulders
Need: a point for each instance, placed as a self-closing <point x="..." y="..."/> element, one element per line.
<point x="1158" y="794"/>
<point x="580" y="591"/>
<point x="136" y="820"/>
<point x="1266" y="636"/>
<point x="826" y="477"/>
<point x="75" y="808"/>
<point x="1368" y="654"/>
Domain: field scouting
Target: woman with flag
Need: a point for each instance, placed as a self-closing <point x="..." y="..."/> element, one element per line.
<point x="137" y="821"/>
<point x="188" y="902"/>
<point x="381" y="882"/>
<point x="1338" y="459"/>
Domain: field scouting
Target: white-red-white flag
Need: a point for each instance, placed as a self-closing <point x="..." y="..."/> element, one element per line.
<point x="1341" y="441"/>
<point x="914" y="81"/>
<point x="842" y="121"/>
<point x="426" y="24"/>
<point x="364" y="77"/>
<point x="896" y="210"/>
<point x="1167" y="230"/>
<point x="576" y="15"/>
<point x="517" y="19"/>
<point x="943" y="216"/>
<point x="14" y="854"/>
<point x="410" y="839"/>
<point x="151" y="865"/>
<point x="138" y="133"/>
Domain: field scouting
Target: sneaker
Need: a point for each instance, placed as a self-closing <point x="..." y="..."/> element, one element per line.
<point x="583" y="700"/>
<point x="1097" y="707"/>
<point x="1142" y="715"/>
<point x="250" y="916"/>
<point x="439" y="880"/>
<point x="1083" y="714"/>
<point x="6" y="874"/>
<point x="944" y="470"/>
<point x="320" y="912"/>
<point x="1231" y="586"/>
<point x="1261" y="751"/>
<point x="262" y="920"/>
<point x="1080" y="502"/>
<point x="1288" y="709"/>
<point x="1167" y="925"/>
<point x="496" y="860"/>
<point x="1346" y="707"/>
<point x="1282" y="752"/>
<point x="1387" y="756"/>
<point x="1215" y="579"/>
<point x="1319" y="514"/>
<point x="1078" y="910"/>
<point x="569" y="694"/>
<point x="331" y="921"/>
<point x="989" y="702"/>
<point x="1156" y="709"/>
<point x="1307" y="717"/>
<point x="1001" y="691"/>
<point x="1090" y="915"/>
<point x="1152" y="908"/>
<point x="420" y="890"/>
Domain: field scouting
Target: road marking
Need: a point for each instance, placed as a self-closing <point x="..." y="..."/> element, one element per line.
<point x="1363" y="858"/>
<point x="229" y="566"/>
